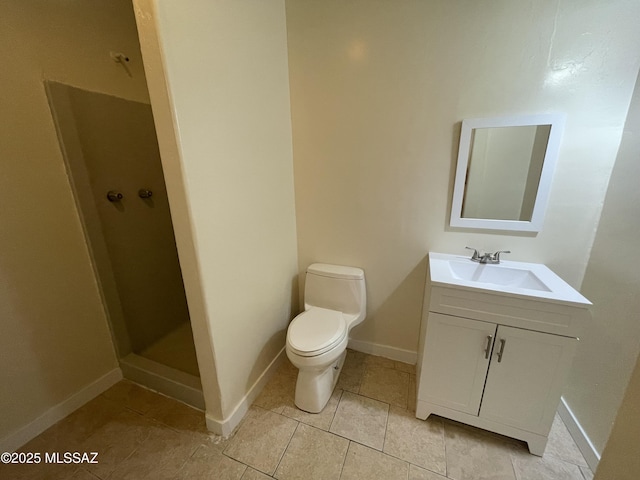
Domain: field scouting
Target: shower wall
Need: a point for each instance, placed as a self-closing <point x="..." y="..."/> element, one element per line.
<point x="119" y="149"/>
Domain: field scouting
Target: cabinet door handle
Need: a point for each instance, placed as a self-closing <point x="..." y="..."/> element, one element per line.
<point x="487" y="350"/>
<point x="501" y="351"/>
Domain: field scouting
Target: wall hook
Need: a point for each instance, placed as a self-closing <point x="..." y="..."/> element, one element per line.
<point x="122" y="59"/>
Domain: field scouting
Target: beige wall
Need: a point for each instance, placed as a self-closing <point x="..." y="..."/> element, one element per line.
<point x="225" y="64"/>
<point x="621" y="457"/>
<point x="609" y="349"/>
<point x="378" y="89"/>
<point x="55" y="339"/>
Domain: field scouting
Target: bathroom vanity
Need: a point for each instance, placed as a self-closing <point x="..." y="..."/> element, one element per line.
<point x="496" y="345"/>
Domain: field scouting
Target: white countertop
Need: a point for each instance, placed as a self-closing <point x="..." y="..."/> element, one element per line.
<point x="539" y="282"/>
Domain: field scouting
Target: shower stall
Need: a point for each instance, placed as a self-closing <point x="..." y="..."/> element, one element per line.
<point x="112" y="158"/>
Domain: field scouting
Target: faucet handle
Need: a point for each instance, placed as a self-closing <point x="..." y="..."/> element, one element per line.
<point x="476" y="256"/>
<point x="496" y="256"/>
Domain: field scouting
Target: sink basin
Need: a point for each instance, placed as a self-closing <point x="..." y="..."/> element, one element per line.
<point x="507" y="278"/>
<point x="497" y="275"/>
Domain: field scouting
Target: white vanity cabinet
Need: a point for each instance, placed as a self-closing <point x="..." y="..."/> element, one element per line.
<point x="501" y="374"/>
<point x="498" y="362"/>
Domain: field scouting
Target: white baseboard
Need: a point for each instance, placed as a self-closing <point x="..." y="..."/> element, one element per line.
<point x="56" y="413"/>
<point x="225" y="426"/>
<point x="394" y="353"/>
<point x="588" y="450"/>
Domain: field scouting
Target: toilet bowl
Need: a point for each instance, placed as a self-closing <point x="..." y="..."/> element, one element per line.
<point x="335" y="302"/>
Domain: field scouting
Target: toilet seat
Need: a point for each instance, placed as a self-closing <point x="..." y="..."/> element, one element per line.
<point x="316" y="331"/>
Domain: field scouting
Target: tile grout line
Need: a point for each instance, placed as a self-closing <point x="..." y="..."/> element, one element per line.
<point x="355" y="441"/>
<point x="381" y="401"/>
<point x="566" y="461"/>
<point x="444" y="443"/>
<point x="246" y="467"/>
<point x="513" y="465"/>
<point x="93" y="475"/>
<point x="288" y="443"/>
<point x="408" y="463"/>
<point x="339" y="436"/>
<point x="402" y="459"/>
<point x="345" y="459"/>
<point x="335" y="411"/>
<point x="406" y="408"/>
<point x="235" y="430"/>
<point x="386" y="427"/>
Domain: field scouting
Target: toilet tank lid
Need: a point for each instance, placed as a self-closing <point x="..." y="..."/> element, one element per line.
<point x="336" y="271"/>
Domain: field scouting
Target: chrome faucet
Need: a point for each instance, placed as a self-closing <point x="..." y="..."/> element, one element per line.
<point x="486" y="257"/>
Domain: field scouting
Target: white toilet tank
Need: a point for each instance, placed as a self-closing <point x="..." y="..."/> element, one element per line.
<point x="337" y="288"/>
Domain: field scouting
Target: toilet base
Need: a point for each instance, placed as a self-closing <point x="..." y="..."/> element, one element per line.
<point x="315" y="386"/>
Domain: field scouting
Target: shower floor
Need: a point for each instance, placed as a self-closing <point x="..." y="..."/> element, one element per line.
<point x="175" y="350"/>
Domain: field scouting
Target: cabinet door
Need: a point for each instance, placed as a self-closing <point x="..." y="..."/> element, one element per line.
<point x="455" y="362"/>
<point x="526" y="376"/>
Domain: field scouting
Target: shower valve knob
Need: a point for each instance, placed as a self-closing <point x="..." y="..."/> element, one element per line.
<point x="114" y="196"/>
<point x="144" y="193"/>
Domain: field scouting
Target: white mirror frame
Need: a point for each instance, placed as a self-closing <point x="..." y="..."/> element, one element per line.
<point x="553" y="145"/>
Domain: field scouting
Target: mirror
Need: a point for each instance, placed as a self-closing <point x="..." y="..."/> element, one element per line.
<point x="504" y="172"/>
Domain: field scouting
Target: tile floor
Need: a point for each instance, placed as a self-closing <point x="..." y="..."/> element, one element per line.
<point x="367" y="431"/>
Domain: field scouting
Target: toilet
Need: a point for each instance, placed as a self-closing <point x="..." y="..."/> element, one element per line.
<point x="335" y="301"/>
